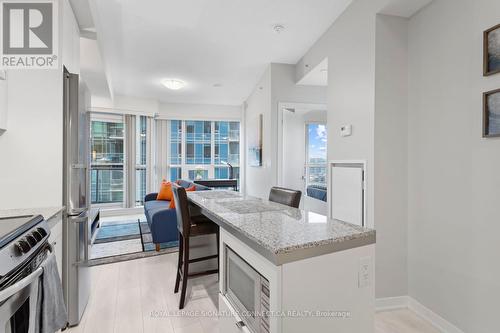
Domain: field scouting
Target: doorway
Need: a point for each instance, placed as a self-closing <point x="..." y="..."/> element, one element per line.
<point x="302" y="142"/>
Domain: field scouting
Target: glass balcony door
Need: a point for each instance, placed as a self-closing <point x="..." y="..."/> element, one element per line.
<point x="107" y="161"/>
<point x="120" y="160"/>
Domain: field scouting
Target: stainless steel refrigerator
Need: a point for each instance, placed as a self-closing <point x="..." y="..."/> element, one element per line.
<point x="76" y="197"/>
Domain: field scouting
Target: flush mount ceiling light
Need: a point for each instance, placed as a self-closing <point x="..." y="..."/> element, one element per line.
<point x="173" y="84"/>
<point x="278" y="28"/>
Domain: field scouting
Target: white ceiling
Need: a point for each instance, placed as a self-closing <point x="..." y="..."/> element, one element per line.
<point x="204" y="42"/>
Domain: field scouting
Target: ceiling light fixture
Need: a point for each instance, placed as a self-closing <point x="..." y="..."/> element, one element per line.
<point x="217" y="85"/>
<point x="173" y="84"/>
<point x="278" y="28"/>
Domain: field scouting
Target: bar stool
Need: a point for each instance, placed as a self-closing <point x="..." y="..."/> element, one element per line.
<point x="285" y="196"/>
<point x="190" y="226"/>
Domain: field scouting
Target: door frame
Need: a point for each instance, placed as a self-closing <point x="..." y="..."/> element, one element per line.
<point x="281" y="109"/>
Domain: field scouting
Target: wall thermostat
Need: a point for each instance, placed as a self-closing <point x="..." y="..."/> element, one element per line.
<point x="346" y="130"/>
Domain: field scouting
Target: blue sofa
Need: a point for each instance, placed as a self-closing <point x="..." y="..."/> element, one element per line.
<point x="161" y="219"/>
<point x="317" y="192"/>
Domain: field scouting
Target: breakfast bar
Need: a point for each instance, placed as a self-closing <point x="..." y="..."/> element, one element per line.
<point x="302" y="271"/>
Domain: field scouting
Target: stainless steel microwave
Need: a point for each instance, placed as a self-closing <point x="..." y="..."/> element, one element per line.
<point x="247" y="291"/>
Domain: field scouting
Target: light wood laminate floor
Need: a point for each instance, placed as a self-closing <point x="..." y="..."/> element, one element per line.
<point x="137" y="296"/>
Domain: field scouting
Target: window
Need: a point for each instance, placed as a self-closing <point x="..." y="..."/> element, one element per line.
<point x="316" y="154"/>
<point x="198" y="142"/>
<point x="107" y="161"/>
<point x="119" y="171"/>
<point x="140" y="159"/>
<point x="209" y="147"/>
<point x="175" y="173"/>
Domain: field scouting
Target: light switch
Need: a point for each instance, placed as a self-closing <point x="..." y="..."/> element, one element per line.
<point x="346" y="130"/>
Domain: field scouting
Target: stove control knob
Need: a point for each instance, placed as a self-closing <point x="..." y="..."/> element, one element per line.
<point x="23" y="246"/>
<point x="38" y="236"/>
<point x="42" y="231"/>
<point x="31" y="240"/>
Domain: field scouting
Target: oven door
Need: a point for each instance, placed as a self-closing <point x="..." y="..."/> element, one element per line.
<point x="18" y="304"/>
<point x="242" y="289"/>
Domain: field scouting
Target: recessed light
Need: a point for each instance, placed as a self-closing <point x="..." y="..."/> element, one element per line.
<point x="217" y="85"/>
<point x="173" y="84"/>
<point x="278" y="28"/>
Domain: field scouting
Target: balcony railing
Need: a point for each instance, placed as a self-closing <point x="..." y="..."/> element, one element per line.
<point x="106" y="184"/>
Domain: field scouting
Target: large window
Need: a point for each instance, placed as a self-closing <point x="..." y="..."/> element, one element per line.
<point x="203" y="149"/>
<point x="107" y="158"/>
<point x="119" y="171"/>
<point x="316" y="154"/>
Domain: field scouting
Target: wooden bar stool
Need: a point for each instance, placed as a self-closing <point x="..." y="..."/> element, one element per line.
<point x="190" y="226"/>
<point x="285" y="196"/>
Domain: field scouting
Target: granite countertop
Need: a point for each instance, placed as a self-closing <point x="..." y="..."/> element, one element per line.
<point x="280" y="233"/>
<point x="46" y="212"/>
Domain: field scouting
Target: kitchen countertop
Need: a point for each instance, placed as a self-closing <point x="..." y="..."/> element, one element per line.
<point x="47" y="212"/>
<point x="280" y="233"/>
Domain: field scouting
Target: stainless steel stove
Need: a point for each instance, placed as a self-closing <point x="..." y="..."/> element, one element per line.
<point x="23" y="247"/>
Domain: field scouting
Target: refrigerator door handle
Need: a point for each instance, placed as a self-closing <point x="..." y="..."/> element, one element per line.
<point x="78" y="166"/>
<point x="83" y="218"/>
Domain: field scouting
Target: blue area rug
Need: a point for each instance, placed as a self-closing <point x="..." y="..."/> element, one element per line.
<point x="147" y="239"/>
<point x="118" y="232"/>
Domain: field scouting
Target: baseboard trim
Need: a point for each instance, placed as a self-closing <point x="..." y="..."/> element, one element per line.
<point x="391" y="303"/>
<point x="407" y="302"/>
<point x="439" y="322"/>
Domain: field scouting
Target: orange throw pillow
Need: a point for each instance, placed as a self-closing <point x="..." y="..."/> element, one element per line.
<point x="165" y="192"/>
<point x="189" y="189"/>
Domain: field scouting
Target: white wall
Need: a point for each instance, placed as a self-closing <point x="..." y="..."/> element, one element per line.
<point x="258" y="179"/>
<point x="349" y="45"/>
<point x="199" y="111"/>
<point x="454" y="179"/>
<point x="31" y="148"/>
<point x="391" y="155"/>
<point x="276" y="85"/>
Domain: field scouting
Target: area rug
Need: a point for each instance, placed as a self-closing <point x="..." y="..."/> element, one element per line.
<point x="118" y="232"/>
<point x="147" y="239"/>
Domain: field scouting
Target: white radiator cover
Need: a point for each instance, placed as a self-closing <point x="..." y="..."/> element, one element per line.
<point x="347" y="192"/>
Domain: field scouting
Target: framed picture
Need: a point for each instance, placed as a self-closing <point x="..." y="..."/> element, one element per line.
<point x="491" y="113"/>
<point x="492" y="51"/>
<point x="255" y="151"/>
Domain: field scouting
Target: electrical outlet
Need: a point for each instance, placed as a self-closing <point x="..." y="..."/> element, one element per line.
<point x="364" y="272"/>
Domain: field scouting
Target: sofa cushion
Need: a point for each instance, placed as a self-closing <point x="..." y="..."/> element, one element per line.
<point x="184" y="183"/>
<point x="165" y="192"/>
